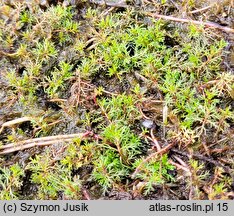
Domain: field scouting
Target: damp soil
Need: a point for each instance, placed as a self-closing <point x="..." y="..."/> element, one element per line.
<point x="71" y="121"/>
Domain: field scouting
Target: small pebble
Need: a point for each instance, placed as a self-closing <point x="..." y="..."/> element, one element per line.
<point x="44" y="3"/>
<point x="66" y="3"/>
<point x="147" y="123"/>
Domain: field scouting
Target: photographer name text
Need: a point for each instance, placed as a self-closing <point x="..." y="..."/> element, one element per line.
<point x="26" y="207"/>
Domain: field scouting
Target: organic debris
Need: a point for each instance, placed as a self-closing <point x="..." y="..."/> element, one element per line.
<point x="116" y="99"/>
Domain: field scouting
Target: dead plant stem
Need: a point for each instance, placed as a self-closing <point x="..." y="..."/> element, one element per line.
<point x="207" y="24"/>
<point x="153" y="155"/>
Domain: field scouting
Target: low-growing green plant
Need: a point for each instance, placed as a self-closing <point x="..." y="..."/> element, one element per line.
<point x="109" y="170"/>
<point x="58" y="78"/>
<point x="11" y="180"/>
<point x="106" y="72"/>
<point x="119" y="146"/>
<point x="153" y="173"/>
<point x="197" y="178"/>
<point x="53" y="178"/>
<point x="121" y="140"/>
<point x="121" y="108"/>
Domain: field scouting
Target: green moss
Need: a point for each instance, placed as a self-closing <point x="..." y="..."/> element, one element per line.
<point x="105" y="74"/>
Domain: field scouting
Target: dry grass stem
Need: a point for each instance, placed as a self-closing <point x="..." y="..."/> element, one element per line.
<point x="14" y="122"/>
<point x="207" y="24"/>
<point x="201" y="9"/>
<point x="44" y="141"/>
<point x="161" y="152"/>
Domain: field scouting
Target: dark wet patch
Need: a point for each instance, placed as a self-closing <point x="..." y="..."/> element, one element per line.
<point x="170" y="42"/>
<point x="131" y="48"/>
<point x="21" y="70"/>
<point x="26" y="127"/>
<point x="52" y="105"/>
<point x="28" y="190"/>
<point x="112" y="85"/>
<point x="83" y="171"/>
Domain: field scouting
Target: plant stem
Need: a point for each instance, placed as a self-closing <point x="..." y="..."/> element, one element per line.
<point x="44" y="141"/>
<point x="207" y="24"/>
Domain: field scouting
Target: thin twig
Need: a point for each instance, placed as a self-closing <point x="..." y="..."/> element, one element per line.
<point x="140" y="77"/>
<point x="58" y="100"/>
<point x="119" y="4"/>
<point x="30" y="145"/>
<point x="176" y="5"/>
<point x="201" y="157"/>
<point x="15" y="121"/>
<point x="140" y="110"/>
<point x="162" y="151"/>
<point x="207" y="24"/>
<point x="155" y="141"/>
<point x="104" y="13"/>
<point x="180" y="161"/>
<point x="43" y="141"/>
<point x="178" y="166"/>
<point x="92" y="46"/>
<point x="201" y="9"/>
<point x="86" y="194"/>
<point x="50" y="124"/>
<point x="91" y="40"/>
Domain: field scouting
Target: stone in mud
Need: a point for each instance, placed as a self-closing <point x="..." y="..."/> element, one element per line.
<point x="147" y="123"/>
